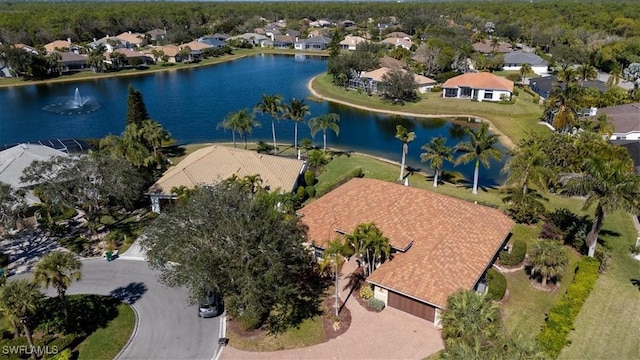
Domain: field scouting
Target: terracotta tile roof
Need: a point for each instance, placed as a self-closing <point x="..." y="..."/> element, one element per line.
<point x="57" y="44"/>
<point x="126" y="52"/>
<point x="215" y="163"/>
<point x="486" y="47"/>
<point x="353" y="40"/>
<point x="133" y="38"/>
<point x="450" y="241"/>
<point x="169" y="50"/>
<point x="389" y="62"/>
<point x="480" y="80"/>
<point x="196" y="45"/>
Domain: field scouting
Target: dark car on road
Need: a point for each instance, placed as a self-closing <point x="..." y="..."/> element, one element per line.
<point x="209" y="306"/>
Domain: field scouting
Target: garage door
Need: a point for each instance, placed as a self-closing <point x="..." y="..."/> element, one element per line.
<point x="412" y="306"/>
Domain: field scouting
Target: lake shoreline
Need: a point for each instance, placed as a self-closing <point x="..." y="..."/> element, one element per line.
<point x="505" y="140"/>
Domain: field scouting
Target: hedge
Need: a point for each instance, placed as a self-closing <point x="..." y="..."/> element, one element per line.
<point x="497" y="284"/>
<point x="559" y="323"/>
<point x="516" y="256"/>
<point x="326" y="187"/>
<point x="376" y="304"/>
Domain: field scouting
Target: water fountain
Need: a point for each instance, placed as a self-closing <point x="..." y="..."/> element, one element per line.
<point x="74" y="105"/>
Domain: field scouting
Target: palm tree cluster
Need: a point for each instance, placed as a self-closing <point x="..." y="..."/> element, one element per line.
<point x="369" y="245"/>
<point x="242" y="122"/>
<point x="480" y="149"/>
<point x="21" y="299"/>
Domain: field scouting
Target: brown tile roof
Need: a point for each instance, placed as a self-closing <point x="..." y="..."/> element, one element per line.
<point x="72" y="57"/>
<point x="625" y="118"/>
<point x="196" y="45"/>
<point x="377" y="75"/>
<point x="353" y="40"/>
<point x="480" y="80"/>
<point x="133" y="38"/>
<point x="169" y="50"/>
<point x="450" y="241"/>
<point x="215" y="163"/>
<point x="57" y="44"/>
<point x="389" y="62"/>
<point x="485" y="47"/>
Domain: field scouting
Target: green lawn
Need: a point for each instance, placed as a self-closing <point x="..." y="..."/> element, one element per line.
<point x="310" y="332"/>
<point x="106" y="342"/>
<point x="513" y="120"/>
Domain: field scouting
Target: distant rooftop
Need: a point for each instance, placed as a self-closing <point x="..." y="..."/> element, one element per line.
<point x="68" y="146"/>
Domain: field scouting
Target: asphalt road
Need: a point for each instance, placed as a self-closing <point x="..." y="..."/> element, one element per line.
<point x="167" y="327"/>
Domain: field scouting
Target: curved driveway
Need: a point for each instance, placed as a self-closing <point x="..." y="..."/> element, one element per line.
<point x="167" y="326"/>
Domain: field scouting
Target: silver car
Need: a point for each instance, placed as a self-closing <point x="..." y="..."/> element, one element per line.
<point x="210" y="306"/>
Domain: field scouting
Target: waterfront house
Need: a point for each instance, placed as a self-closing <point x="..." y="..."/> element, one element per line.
<point x="135" y="39"/>
<point x="351" y="42"/>
<point x="482" y="86"/>
<point x="316" y="43"/>
<point x="514" y="60"/>
<point x="370" y="80"/>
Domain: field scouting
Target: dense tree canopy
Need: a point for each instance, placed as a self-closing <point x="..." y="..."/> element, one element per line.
<point x="223" y="239"/>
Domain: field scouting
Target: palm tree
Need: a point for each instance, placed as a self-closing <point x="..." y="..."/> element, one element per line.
<point x="58" y="269"/>
<point x="231" y="122"/>
<point x="246" y="123"/>
<point x="436" y="153"/>
<point x="306" y="144"/>
<point x="152" y="134"/>
<point x="296" y="110"/>
<point x="528" y="166"/>
<point x="548" y="258"/>
<point x="525" y="70"/>
<point x="566" y="102"/>
<point x="324" y="122"/>
<point x="405" y="137"/>
<point x="469" y="315"/>
<point x="610" y="184"/>
<point x="96" y="58"/>
<point x="615" y="75"/>
<point x="271" y="104"/>
<point x="480" y="149"/>
<point x="369" y="245"/>
<point x="586" y="72"/>
<point x="19" y="300"/>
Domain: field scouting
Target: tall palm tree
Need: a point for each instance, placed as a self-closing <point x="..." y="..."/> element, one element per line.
<point x="469" y="315"/>
<point x="324" y="122"/>
<point x="436" y="153"/>
<point x="369" y="245"/>
<point x="231" y="122"/>
<point x="566" y="102"/>
<point x="19" y="300"/>
<point x="525" y="70"/>
<point x="296" y="110"/>
<point x="615" y="75"/>
<point x="608" y="183"/>
<point x="480" y="149"/>
<point x="246" y="123"/>
<point x="152" y="134"/>
<point x="58" y="269"/>
<point x="271" y="104"/>
<point x="528" y="166"/>
<point x="586" y="72"/>
<point x="548" y="258"/>
<point x="405" y="136"/>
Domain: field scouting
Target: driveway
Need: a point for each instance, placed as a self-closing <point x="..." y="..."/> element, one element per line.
<point x="389" y="334"/>
<point x="167" y="326"/>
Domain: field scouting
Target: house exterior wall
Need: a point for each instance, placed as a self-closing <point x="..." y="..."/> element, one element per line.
<point x="538" y="69"/>
<point x="381" y="294"/>
<point x="425" y="88"/>
<point x="634" y="135"/>
<point x="478" y="94"/>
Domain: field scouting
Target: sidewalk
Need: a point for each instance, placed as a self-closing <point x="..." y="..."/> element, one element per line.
<point x="390" y="334"/>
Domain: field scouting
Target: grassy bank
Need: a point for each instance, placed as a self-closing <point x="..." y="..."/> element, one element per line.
<point x="106" y="343"/>
<point x="512" y="120"/>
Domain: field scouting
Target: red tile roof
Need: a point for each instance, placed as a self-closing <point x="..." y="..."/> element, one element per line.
<point x="481" y="80"/>
<point x="449" y="242"/>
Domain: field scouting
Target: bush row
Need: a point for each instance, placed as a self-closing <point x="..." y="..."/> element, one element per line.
<point x="553" y="336"/>
<point x="516" y="255"/>
<point x="497" y="284"/>
<point x="377" y="304"/>
<point x="326" y="187"/>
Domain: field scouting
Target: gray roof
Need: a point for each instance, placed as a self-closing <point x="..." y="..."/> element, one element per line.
<point x="316" y="40"/>
<point x="14" y="160"/>
<point x="633" y="147"/>
<point x="625" y="118"/>
<point x="519" y="57"/>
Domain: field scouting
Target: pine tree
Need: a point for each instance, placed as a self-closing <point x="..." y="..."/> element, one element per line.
<point x="136" y="109"/>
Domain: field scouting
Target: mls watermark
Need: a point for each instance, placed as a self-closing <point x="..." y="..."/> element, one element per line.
<point x="29" y="350"/>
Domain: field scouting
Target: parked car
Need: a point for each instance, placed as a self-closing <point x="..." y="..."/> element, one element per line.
<point x="209" y="306"/>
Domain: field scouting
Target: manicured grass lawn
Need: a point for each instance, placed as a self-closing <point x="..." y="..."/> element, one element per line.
<point x="513" y="120"/>
<point x="310" y="332"/>
<point x="106" y="342"/>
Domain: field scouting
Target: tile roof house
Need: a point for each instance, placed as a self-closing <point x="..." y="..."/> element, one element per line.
<point x="254" y="39"/>
<point x="61" y="46"/>
<point x="128" y="54"/>
<point x="71" y="61"/>
<point x="369" y="80"/>
<point x="172" y="52"/>
<point x="482" y="86"/>
<point x="350" y="42"/>
<point x="110" y="43"/>
<point x="404" y="43"/>
<point x="625" y="120"/>
<point x="485" y="47"/>
<point x="156" y="34"/>
<point x="544" y="85"/>
<point x="313" y="43"/>
<point x="26" y="48"/>
<point x="135" y="39"/>
<point x="514" y="60"/>
<point x="212" y="164"/>
<point x="441" y="244"/>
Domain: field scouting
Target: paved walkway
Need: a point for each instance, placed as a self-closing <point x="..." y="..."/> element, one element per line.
<point x="26" y="248"/>
<point x="390" y="334"/>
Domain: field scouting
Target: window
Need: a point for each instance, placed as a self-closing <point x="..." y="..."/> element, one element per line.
<point x="488" y="94"/>
<point x="450" y="92"/>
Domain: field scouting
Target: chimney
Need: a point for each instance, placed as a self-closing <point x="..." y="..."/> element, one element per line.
<point x="129" y="31"/>
<point x="69" y="40"/>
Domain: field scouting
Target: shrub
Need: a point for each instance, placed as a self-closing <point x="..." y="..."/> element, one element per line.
<point x="516" y="92"/>
<point x="326" y="187"/>
<point x="263" y="147"/>
<point x="551" y="232"/>
<point x="516" y="255"/>
<point x="309" y="178"/>
<point x="515" y="77"/>
<point x="436" y="89"/>
<point x="66" y="214"/>
<point x="553" y="336"/>
<point x="444" y="76"/>
<point x="311" y="191"/>
<point x="301" y="194"/>
<point x="318" y="158"/>
<point x="536" y="99"/>
<point x="497" y="284"/>
<point x="63" y="355"/>
<point x="376" y="304"/>
<point x="604" y="257"/>
<point x="366" y="292"/>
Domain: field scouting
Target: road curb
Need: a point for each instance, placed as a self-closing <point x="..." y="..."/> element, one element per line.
<point x="133" y="334"/>
<point x="223" y="334"/>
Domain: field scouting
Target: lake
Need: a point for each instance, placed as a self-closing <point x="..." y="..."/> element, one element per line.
<point x="190" y="103"/>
